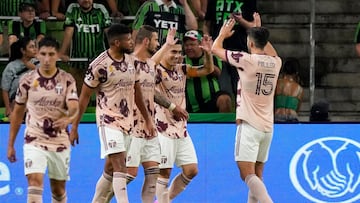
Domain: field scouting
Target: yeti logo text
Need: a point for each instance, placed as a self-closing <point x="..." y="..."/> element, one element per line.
<point x="4" y="176"/>
<point x="327" y="170"/>
<point x="165" y="24"/>
<point x="88" y="28"/>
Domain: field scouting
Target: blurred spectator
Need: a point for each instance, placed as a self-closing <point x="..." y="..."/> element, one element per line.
<point x="10" y="7"/>
<point x="129" y="7"/>
<point x="320" y="111"/>
<point x="85" y="26"/>
<point x="289" y="93"/>
<point x="357" y="39"/>
<point x="216" y="13"/>
<point x="165" y="14"/>
<point x="49" y="8"/>
<point x="110" y="5"/>
<point x="27" y="26"/>
<point x="21" y="61"/>
<point x="203" y="94"/>
<point x="1" y="35"/>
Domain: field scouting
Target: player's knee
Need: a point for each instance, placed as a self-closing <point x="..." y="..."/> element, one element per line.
<point x="224" y="103"/>
<point x="191" y="172"/>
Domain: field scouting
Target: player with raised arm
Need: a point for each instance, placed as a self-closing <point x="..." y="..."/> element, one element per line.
<point x="258" y="71"/>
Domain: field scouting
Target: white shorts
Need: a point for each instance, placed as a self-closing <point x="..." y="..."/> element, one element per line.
<point x="251" y="145"/>
<point x="178" y="151"/>
<point x="112" y="141"/>
<point x="143" y="150"/>
<point x="36" y="160"/>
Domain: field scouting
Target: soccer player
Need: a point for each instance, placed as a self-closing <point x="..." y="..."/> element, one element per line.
<point x="258" y="72"/>
<point x="113" y="75"/>
<point x="165" y="14"/>
<point x="50" y="98"/>
<point x="144" y="148"/>
<point x="85" y="25"/>
<point x="176" y="144"/>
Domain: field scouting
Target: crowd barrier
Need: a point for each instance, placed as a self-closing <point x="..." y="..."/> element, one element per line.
<point x="308" y="163"/>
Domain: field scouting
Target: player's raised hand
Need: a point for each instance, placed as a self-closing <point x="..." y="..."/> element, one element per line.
<point x="206" y="43"/>
<point x="171" y="36"/>
<point x="227" y="29"/>
<point x="257" y="19"/>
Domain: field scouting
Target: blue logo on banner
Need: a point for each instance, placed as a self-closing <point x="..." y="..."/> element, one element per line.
<point x="327" y="170"/>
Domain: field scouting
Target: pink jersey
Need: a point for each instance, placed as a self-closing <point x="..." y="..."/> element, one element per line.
<point x="256" y="87"/>
<point x="146" y="72"/>
<point x="171" y="83"/>
<point x="46" y="100"/>
<point x="115" y="82"/>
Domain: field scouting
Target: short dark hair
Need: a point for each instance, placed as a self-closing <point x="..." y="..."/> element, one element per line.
<point x="291" y="66"/>
<point x="179" y="41"/>
<point x="49" y="42"/>
<point x="26" y="4"/>
<point x="145" y="32"/>
<point x="260" y="36"/>
<point x="116" y="30"/>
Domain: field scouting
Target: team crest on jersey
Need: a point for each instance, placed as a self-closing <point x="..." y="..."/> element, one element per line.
<point x="236" y="56"/>
<point x="131" y="68"/>
<point x="28" y="163"/>
<point x="128" y="158"/>
<point x="59" y="89"/>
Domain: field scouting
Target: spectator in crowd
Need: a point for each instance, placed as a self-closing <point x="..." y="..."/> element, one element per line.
<point x="10" y="7"/>
<point x="1" y="35"/>
<point x="129" y="7"/>
<point x="85" y="26"/>
<point x="289" y="93"/>
<point x="203" y="93"/>
<point x="165" y="14"/>
<point x="320" y="111"/>
<point x="49" y="8"/>
<point x="22" y="60"/>
<point x="27" y="26"/>
<point x="357" y="39"/>
<point x="216" y="13"/>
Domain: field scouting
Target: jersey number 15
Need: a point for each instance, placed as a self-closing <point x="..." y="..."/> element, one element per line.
<point x="265" y="83"/>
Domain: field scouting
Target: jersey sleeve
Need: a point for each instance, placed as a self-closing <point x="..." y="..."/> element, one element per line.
<point x="71" y="92"/>
<point x="22" y="91"/>
<point x="237" y="58"/>
<point x="42" y="28"/>
<point x="69" y="16"/>
<point x="107" y="20"/>
<point x="94" y="75"/>
<point x="141" y="14"/>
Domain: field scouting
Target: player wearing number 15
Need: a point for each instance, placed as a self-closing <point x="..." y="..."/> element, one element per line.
<point x="258" y="73"/>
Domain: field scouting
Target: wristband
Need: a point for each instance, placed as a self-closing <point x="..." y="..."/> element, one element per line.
<point x="172" y="107"/>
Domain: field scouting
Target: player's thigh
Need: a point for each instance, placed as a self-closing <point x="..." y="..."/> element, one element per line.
<point x="167" y="152"/>
<point x="264" y="147"/>
<point x="151" y="151"/>
<point x="35" y="164"/>
<point x="111" y="141"/>
<point x="185" y="153"/>
<point x="59" y="165"/>
<point x="133" y="155"/>
<point x="246" y="143"/>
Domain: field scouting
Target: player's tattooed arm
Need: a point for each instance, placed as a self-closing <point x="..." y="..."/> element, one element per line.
<point x="161" y="100"/>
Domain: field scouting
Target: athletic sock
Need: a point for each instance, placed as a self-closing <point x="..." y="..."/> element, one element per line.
<point x="257" y="188"/>
<point x="34" y="194"/>
<point x="110" y="195"/>
<point x="251" y="198"/>
<point x="162" y="193"/>
<point x="178" y="185"/>
<point x="119" y="186"/>
<point x="59" y="199"/>
<point x="149" y="185"/>
<point x="103" y="188"/>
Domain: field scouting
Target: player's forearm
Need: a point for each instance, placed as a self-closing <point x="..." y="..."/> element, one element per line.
<point x="190" y="19"/>
<point x="83" y="103"/>
<point x="160" y="53"/>
<point x="217" y="47"/>
<point x="5" y="95"/>
<point x="270" y="50"/>
<point x="15" y="123"/>
<point x="161" y="100"/>
<point x="209" y="63"/>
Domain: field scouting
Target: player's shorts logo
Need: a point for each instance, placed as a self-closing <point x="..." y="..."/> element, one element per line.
<point x="163" y="160"/>
<point x="112" y="143"/>
<point x="327" y="170"/>
<point x="28" y="163"/>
